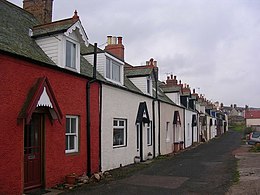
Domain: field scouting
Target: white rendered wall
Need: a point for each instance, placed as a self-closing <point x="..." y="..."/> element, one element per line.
<point x="118" y="103"/>
<point x="250" y="122"/>
<point x="188" y="128"/>
<point x="168" y="138"/>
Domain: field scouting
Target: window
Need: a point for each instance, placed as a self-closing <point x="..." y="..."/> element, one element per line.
<point x="149" y="134"/>
<point x="119" y="132"/>
<point x="113" y="70"/>
<point x="148" y="85"/>
<point x="70" y="54"/>
<point x="167" y="132"/>
<point x="71" y="134"/>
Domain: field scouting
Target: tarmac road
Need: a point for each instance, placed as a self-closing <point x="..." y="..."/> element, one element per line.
<point x="206" y="169"/>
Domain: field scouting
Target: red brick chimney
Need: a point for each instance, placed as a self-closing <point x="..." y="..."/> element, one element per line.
<point x="115" y="47"/>
<point x="171" y="81"/>
<point x="41" y="9"/>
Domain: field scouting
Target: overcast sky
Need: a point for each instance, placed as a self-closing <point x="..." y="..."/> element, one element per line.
<point x="212" y="45"/>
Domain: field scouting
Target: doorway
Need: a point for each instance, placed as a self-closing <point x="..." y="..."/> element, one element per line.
<point x="33" y="152"/>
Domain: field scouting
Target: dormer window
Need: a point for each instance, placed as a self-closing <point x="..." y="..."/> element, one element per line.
<point x="113" y="70"/>
<point x="61" y="41"/>
<point x="70" y="54"/>
<point x="149" y="85"/>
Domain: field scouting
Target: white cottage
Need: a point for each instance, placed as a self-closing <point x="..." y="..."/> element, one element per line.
<point x="129" y="114"/>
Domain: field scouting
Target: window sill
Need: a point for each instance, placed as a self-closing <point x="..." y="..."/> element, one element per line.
<point x="121" y="146"/>
<point x="71" y="69"/>
<point x="72" y="153"/>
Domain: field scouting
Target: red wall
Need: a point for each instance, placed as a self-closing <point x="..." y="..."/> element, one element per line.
<point x="17" y="78"/>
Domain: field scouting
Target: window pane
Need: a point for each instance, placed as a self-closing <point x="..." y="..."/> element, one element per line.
<point x="71" y="134"/>
<point x="73" y="125"/>
<point x="67" y="142"/>
<point x="115" y="122"/>
<point x="108" y="68"/>
<point x="70" y="54"/>
<point x="118" y="137"/>
<point x="72" y="142"/>
<point x="115" y="71"/>
<point x="67" y="125"/>
<point x="121" y="123"/>
<point x="148" y="86"/>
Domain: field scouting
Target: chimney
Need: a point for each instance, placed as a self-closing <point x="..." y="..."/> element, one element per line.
<point x="151" y="62"/>
<point x="115" y="46"/>
<point x="171" y="81"/>
<point x="41" y="9"/>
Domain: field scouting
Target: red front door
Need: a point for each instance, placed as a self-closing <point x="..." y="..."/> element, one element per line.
<point x="33" y="153"/>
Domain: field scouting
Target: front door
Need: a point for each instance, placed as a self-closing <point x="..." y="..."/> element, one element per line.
<point x="33" y="153"/>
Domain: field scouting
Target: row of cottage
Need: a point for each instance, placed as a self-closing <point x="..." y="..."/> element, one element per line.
<point x="70" y="107"/>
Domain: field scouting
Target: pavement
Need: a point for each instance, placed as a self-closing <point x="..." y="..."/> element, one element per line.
<point x="249" y="171"/>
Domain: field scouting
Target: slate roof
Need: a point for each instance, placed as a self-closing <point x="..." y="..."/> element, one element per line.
<point x="14" y="33"/>
<point x="15" y="39"/>
<point x="84" y="50"/>
<point x="136" y="71"/>
<point x="53" y="28"/>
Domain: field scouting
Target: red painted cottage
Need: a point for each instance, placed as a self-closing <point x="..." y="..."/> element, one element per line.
<point x="48" y="98"/>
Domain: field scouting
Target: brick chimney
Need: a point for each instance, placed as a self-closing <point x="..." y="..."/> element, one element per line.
<point x="171" y="81"/>
<point x="115" y="46"/>
<point x="41" y="9"/>
<point x="151" y="62"/>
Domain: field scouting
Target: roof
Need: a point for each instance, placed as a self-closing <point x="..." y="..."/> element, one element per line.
<point x="252" y="114"/>
<point x="137" y="71"/>
<point x="33" y="97"/>
<point x="15" y="39"/>
<point x="142" y="114"/>
<point x="14" y="30"/>
<point x="89" y="50"/>
<point x="53" y="27"/>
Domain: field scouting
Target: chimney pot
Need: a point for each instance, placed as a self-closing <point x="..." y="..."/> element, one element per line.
<point x="109" y="40"/>
<point x="168" y="77"/>
<point x="194" y="91"/>
<point x="171" y="76"/>
<point x="115" y="46"/>
<point x="175" y="77"/>
<point x="119" y="40"/>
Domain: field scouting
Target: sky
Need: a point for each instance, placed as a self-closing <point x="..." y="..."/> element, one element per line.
<point x="212" y="45"/>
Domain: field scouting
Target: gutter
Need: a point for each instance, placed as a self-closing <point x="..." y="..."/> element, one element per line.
<point x="88" y="134"/>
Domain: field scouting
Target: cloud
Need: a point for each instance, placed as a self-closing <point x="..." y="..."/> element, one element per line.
<point x="213" y="45"/>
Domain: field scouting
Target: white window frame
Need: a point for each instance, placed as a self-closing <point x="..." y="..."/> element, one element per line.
<point x="110" y="67"/>
<point x="108" y="74"/>
<point x="73" y="61"/>
<point x="149" y="85"/>
<point x="69" y="134"/>
<point x="118" y="126"/>
<point x="149" y="134"/>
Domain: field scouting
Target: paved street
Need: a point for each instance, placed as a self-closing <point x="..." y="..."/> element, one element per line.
<point x="206" y="169"/>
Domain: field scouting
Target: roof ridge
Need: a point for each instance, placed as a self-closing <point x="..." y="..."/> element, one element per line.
<point x="53" y="23"/>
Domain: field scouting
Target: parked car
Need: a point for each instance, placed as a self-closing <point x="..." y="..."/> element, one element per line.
<point x="254" y="138"/>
